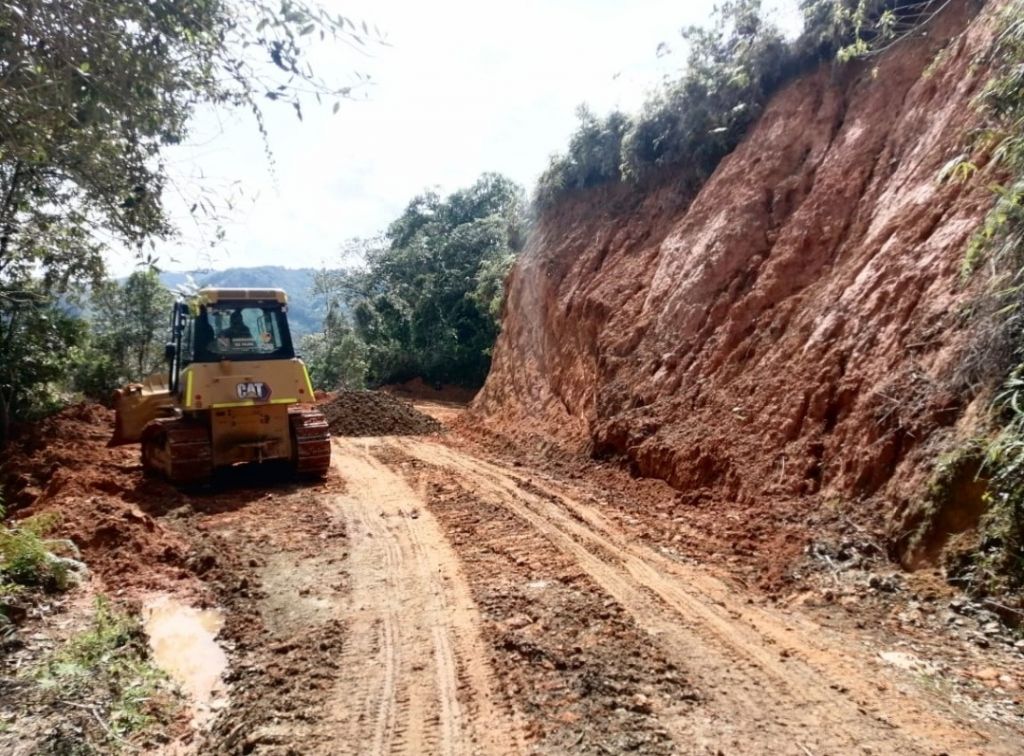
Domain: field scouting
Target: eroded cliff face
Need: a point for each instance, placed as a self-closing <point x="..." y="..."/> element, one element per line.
<point x="797" y="327"/>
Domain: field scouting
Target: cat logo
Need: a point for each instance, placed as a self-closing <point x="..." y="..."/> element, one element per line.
<point x="254" y="390"/>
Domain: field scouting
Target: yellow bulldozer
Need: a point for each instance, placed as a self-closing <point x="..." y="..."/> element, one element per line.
<point x="234" y="392"/>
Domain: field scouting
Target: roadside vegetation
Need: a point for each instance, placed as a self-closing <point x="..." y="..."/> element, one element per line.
<point x="732" y="69"/>
<point x="93" y="92"/>
<point x="111" y="697"/>
<point x="997" y="252"/>
<point x="426" y="302"/>
<point x="27" y="558"/>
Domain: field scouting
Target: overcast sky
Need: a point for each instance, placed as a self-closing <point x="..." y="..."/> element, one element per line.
<point x="464" y="87"/>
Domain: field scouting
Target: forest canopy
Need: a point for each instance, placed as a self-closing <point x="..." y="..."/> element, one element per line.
<point x="427" y="302"/>
<point x="733" y="67"/>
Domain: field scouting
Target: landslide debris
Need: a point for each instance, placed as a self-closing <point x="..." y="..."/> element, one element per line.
<point x="375" y="413"/>
<point x="60" y="468"/>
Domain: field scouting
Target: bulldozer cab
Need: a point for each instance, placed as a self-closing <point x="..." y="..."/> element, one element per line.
<point x="229" y="324"/>
<point x="238" y="330"/>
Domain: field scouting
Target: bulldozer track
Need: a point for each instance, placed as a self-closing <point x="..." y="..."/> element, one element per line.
<point x="426" y="600"/>
<point x="771" y="677"/>
<point x="178" y="449"/>
<point x="312" y="439"/>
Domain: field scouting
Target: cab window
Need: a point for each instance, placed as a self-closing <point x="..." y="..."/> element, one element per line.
<point x="239" y="331"/>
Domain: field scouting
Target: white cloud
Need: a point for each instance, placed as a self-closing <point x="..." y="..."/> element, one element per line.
<point x="465" y="87"/>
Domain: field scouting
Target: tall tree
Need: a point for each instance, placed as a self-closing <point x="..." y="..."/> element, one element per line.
<point x="129" y="324"/>
<point x="91" y="92"/>
<point x="428" y="302"/>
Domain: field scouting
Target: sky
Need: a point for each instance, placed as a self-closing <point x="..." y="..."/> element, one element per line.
<point x="462" y="87"/>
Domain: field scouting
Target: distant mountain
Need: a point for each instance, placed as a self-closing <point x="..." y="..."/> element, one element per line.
<point x="304" y="314"/>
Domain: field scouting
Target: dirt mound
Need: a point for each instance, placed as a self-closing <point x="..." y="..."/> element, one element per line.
<point x="791" y="334"/>
<point x="375" y="413"/>
<point x="417" y="388"/>
<point x="61" y="465"/>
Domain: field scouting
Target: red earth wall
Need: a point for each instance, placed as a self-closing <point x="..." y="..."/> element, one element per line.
<point x="794" y="329"/>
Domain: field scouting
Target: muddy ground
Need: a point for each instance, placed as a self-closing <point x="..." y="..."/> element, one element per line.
<point x="439" y="594"/>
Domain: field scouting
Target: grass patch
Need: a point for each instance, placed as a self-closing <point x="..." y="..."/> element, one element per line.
<point x="28" y="563"/>
<point x="104" y="681"/>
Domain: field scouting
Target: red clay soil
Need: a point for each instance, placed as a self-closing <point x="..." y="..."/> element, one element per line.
<point x="791" y="336"/>
<point x="418" y="389"/>
<point x="62" y="466"/>
<point x="375" y="413"/>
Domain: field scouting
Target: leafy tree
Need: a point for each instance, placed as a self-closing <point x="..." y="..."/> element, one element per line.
<point x="336" y="356"/>
<point x="37" y="340"/>
<point x="336" y="359"/>
<point x="91" y="92"/>
<point x="427" y="301"/>
<point x="129" y="322"/>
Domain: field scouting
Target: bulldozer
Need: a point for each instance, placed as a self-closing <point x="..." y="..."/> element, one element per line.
<point x="234" y="392"/>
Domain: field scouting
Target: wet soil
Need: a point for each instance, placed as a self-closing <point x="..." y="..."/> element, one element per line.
<point x="375" y="413"/>
<point x="433" y="595"/>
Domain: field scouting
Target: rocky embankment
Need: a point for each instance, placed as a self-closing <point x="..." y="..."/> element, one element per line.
<point x="795" y="332"/>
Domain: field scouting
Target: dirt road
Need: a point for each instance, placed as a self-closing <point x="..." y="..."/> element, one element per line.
<point x="418" y="679"/>
<point x="451" y="604"/>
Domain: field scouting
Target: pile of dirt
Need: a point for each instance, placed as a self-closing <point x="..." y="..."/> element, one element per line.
<point x="417" y="388"/>
<point x="791" y="334"/>
<point x="375" y="413"/>
<point x="101" y="500"/>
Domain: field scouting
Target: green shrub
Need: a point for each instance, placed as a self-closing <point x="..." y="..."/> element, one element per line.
<point x="1000" y="561"/>
<point x="998" y="565"/>
<point x="336" y="358"/>
<point x="428" y="301"/>
<point x="1000" y="240"/>
<point x="594" y="156"/>
<point x="733" y="68"/>
<point x="26" y="558"/>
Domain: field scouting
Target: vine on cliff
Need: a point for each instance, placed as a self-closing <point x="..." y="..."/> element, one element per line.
<point x="999" y="247"/>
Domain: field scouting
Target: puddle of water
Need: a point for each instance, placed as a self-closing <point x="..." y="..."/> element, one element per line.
<point x="182" y="640"/>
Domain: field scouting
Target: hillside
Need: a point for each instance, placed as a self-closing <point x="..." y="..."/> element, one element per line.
<point x="788" y="340"/>
<point x="746" y="475"/>
<point x="305" y="315"/>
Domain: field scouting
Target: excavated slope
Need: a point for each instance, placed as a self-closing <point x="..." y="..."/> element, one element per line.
<point x="798" y="326"/>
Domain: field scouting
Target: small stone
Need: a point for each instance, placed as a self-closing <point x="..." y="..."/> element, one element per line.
<point x="518" y="622"/>
<point x="988" y="673"/>
<point x="641" y="704"/>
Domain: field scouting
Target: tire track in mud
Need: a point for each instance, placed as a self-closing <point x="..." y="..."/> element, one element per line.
<point x="414" y="657"/>
<point x="774" y="683"/>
